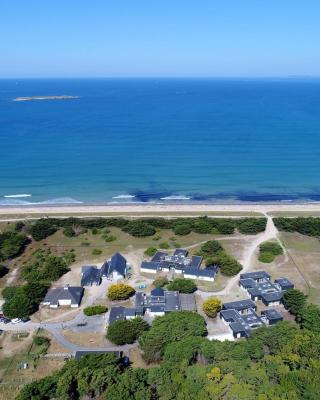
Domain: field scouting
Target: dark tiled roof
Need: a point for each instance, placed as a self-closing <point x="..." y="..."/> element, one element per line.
<point x="116" y="314"/>
<point x="73" y="293"/>
<point x="117" y="263"/>
<point x="150" y="265"/>
<point x="159" y="256"/>
<point x="271" y="296"/>
<point x="196" y="261"/>
<point x="272" y="314"/>
<point x="90" y="275"/>
<point x="208" y="272"/>
<point x="284" y="283"/>
<point x="239" y="305"/>
<point x="157" y="292"/>
<point x="180" y="252"/>
<point x="255" y="275"/>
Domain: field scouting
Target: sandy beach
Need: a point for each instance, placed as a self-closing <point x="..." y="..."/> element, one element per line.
<point x="160" y="208"/>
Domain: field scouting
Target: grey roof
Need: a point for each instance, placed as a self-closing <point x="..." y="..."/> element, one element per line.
<point x="284" y="283"/>
<point x="242" y="323"/>
<point x="117" y="314"/>
<point x="157" y="292"/>
<point x="91" y="276"/>
<point x="157" y="308"/>
<point x="237" y="327"/>
<point x="272" y="314"/>
<point x="180" y="252"/>
<point x="159" y="256"/>
<point x="150" y="265"/>
<point x="84" y="268"/>
<point x="256" y="275"/>
<point x="172" y="301"/>
<point x="196" y="261"/>
<point x="209" y="272"/>
<point x="247" y="282"/>
<point x="73" y="293"/>
<point x="117" y="263"/>
<point x="271" y="296"/>
<point x="239" y="305"/>
<point x="82" y="353"/>
<point x="187" y="302"/>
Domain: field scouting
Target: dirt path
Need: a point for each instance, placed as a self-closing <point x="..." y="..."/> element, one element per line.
<point x="248" y="258"/>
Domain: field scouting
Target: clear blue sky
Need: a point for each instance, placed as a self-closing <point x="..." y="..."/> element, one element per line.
<point x="93" y="38"/>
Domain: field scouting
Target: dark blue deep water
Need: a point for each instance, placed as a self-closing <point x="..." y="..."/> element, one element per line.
<point x="160" y="140"/>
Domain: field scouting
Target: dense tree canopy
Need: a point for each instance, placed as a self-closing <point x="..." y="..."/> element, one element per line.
<point x="294" y="300"/>
<point x="280" y="362"/>
<point x="174" y="326"/>
<point x="127" y="331"/>
<point x="306" y="226"/>
<point x="11" y="244"/>
<point x="182" y="285"/>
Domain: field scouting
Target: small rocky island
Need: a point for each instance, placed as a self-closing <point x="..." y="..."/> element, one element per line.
<point x="45" y="98"/>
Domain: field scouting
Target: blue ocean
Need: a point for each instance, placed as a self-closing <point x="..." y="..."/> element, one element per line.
<point x="160" y="140"/>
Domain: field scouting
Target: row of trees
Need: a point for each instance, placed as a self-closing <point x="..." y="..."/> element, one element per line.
<point x="306" y="226"/>
<point x="280" y="362"/>
<point x="43" y="269"/>
<point x="147" y="226"/>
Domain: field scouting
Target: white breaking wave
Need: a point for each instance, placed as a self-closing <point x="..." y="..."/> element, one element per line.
<point x="175" y="198"/>
<point x="17" y="195"/>
<point x="58" y="201"/>
<point x="124" y="196"/>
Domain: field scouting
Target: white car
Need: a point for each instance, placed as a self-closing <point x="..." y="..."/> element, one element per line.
<point x="16" y="320"/>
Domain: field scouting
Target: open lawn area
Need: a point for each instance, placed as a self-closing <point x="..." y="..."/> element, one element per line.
<point x="304" y="252"/>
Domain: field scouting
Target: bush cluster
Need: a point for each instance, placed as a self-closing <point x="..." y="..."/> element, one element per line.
<point x="120" y="291"/>
<point x="148" y="226"/>
<point x="95" y="310"/>
<point x="127" y="331"/>
<point x="268" y="251"/>
<point x="306" y="226"/>
<point x="214" y="254"/>
<point x="12" y="244"/>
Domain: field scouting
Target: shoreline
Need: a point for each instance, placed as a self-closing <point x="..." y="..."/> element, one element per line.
<point x="159" y="208"/>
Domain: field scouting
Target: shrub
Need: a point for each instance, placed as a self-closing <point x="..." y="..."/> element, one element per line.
<point x="110" y="238"/>
<point x="182" y="229"/>
<point x="139" y="228"/>
<point x="210" y="248"/>
<point x="211" y="307"/>
<point x="127" y="331"/>
<point x="182" y="285"/>
<point x="271" y="247"/>
<point x="95" y="310"/>
<point x="85" y="243"/>
<point x="43" y="228"/>
<point x="11" y="244"/>
<point x="161" y="281"/>
<point x="96" y="252"/>
<point x="95" y="231"/>
<point x="151" y="251"/>
<point x="229" y="266"/>
<point x="68" y="231"/>
<point x="120" y="291"/>
<point x="266" y="257"/>
<point x="164" y="245"/>
<point x="41" y="341"/>
<point x="252" y="226"/>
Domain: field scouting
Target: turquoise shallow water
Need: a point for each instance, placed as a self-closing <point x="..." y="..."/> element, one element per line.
<point x="162" y="140"/>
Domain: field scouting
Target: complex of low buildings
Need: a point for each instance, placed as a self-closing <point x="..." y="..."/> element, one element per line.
<point x="156" y="303"/>
<point x="180" y="263"/>
<point x="241" y="316"/>
<point x="258" y="286"/>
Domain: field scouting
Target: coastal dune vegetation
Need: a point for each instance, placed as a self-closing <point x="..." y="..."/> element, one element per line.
<point x="142" y="227"/>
